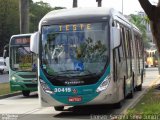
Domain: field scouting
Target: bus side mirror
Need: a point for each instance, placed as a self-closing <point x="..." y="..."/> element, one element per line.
<point x="116" y="37"/>
<point x="34" y="43"/>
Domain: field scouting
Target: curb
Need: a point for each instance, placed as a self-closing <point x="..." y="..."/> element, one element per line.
<point x="10" y="95"/>
<point x="124" y="112"/>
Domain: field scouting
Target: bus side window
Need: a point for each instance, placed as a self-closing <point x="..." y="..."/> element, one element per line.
<point x="137" y="52"/>
<point x="119" y="49"/>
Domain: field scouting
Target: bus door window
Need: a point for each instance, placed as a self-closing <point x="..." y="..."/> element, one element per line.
<point x="132" y="52"/>
<point x="137" y="53"/>
<point x="141" y="53"/>
<point x="129" y="52"/>
<point x="125" y="51"/>
<point x="116" y="56"/>
<point x="117" y="62"/>
<point x="119" y="57"/>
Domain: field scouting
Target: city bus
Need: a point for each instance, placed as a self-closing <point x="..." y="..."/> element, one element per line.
<point x="87" y="56"/>
<point x="151" y="58"/>
<point x="22" y="72"/>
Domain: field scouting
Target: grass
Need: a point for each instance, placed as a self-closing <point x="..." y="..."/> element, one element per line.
<point x="148" y="108"/>
<point x="4" y="88"/>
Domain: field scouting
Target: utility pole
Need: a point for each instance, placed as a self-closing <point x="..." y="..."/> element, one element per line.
<point x="99" y="3"/>
<point x="122" y="6"/>
<point x="75" y="3"/>
<point x="24" y="16"/>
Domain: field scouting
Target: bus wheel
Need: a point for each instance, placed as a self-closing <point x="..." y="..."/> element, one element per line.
<point x="130" y="95"/>
<point x="139" y="88"/>
<point x="59" y="108"/>
<point x="118" y="105"/>
<point x="25" y="93"/>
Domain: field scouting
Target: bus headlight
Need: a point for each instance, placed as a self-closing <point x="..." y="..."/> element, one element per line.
<point x="45" y="87"/>
<point x="104" y="84"/>
<point x="13" y="78"/>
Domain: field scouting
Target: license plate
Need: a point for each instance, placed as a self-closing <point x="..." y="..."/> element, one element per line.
<point x="75" y="99"/>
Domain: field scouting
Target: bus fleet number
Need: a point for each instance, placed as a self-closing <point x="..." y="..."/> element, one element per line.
<point x="62" y="90"/>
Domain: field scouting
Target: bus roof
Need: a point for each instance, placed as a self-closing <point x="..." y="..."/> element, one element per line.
<point x="78" y="12"/>
<point x="77" y="15"/>
<point x="74" y="15"/>
<point x="19" y="35"/>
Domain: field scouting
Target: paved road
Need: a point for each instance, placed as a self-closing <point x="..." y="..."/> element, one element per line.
<point x="28" y="108"/>
<point x="4" y="78"/>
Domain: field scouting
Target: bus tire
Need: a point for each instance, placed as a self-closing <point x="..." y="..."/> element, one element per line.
<point x="130" y="95"/>
<point x="118" y="105"/>
<point x="139" y="88"/>
<point x="25" y="93"/>
<point x="59" y="108"/>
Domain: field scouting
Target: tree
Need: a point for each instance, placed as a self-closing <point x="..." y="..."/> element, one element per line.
<point x="10" y="18"/>
<point x="138" y="21"/>
<point x="9" y="21"/>
<point x="24" y="16"/>
<point x="37" y="12"/>
<point x="99" y="3"/>
<point x="153" y="13"/>
<point x="75" y="3"/>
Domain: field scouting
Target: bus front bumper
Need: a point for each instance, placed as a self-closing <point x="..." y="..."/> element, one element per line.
<point x="88" y="99"/>
<point x="19" y="86"/>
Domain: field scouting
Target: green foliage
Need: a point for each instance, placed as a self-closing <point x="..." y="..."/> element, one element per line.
<point x="4" y="88"/>
<point x="9" y="18"/>
<point x="9" y="21"/>
<point x="148" y="107"/>
<point x="37" y="11"/>
<point x="138" y="21"/>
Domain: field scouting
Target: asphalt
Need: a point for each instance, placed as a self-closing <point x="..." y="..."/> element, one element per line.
<point x="29" y="108"/>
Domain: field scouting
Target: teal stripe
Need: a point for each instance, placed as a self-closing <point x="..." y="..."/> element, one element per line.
<point x="86" y="97"/>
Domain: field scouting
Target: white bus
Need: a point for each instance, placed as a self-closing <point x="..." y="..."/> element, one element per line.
<point x="87" y="56"/>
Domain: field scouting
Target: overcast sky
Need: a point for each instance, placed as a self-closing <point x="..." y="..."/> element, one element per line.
<point x="129" y="6"/>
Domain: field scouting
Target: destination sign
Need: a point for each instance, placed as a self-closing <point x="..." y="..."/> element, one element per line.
<point x="69" y="28"/>
<point x="20" y="41"/>
<point x="74" y="27"/>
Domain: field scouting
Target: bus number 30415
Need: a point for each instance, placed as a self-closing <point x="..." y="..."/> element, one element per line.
<point x="62" y="90"/>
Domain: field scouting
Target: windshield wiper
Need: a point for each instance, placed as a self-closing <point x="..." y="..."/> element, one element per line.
<point x="74" y="71"/>
<point x="72" y="75"/>
<point x="20" y="46"/>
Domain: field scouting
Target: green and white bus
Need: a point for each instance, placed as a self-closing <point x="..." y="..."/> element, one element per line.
<point x="87" y="56"/>
<point x="22" y="72"/>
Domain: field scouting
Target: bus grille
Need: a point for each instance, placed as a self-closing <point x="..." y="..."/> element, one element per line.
<point x="31" y="85"/>
<point x="28" y="76"/>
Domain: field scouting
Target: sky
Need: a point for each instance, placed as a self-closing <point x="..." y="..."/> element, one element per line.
<point x="129" y="6"/>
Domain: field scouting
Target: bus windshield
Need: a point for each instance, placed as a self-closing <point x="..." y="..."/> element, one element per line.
<point x="21" y="58"/>
<point x="75" y="50"/>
